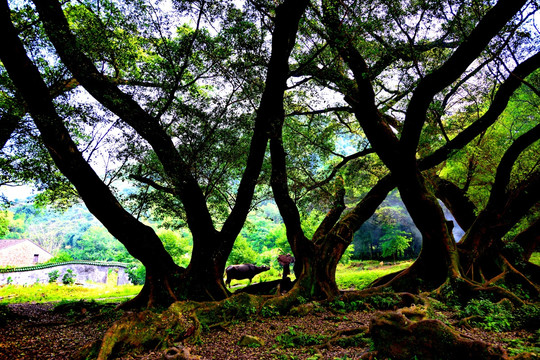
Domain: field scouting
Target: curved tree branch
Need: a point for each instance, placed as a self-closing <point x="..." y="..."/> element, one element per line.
<point x="140" y="240"/>
<point x="494" y="20"/>
<point x="128" y="110"/>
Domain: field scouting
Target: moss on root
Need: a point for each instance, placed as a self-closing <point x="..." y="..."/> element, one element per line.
<point x="137" y="332"/>
<point x="396" y="337"/>
<point x="182" y="321"/>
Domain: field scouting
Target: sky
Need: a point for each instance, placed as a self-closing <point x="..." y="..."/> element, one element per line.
<point x="16" y="192"/>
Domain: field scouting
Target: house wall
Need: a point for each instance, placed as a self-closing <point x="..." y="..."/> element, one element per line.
<point x="84" y="273"/>
<point x="22" y="254"/>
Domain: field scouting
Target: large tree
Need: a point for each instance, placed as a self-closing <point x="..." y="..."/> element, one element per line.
<point x="165" y="281"/>
<point x="402" y="81"/>
<point x="380" y="94"/>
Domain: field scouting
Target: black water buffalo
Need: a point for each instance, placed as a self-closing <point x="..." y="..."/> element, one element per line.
<point x="243" y="271"/>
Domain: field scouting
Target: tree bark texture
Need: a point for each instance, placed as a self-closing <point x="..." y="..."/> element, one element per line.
<point x="139" y="239"/>
<point x="203" y="279"/>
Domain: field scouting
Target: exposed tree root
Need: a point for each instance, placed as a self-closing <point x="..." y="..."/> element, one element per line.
<point x="398" y="338"/>
<point x="402" y="331"/>
<point x="347" y="338"/>
<point x="381" y="299"/>
<point x="512" y="276"/>
<point x="385" y="279"/>
<point x="533" y="271"/>
<point x="461" y="290"/>
<point x="466" y="322"/>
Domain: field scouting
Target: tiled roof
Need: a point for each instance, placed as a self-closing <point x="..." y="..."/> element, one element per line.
<point x="7" y="243"/>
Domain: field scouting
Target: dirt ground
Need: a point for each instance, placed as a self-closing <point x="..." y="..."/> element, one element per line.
<point x="39" y="331"/>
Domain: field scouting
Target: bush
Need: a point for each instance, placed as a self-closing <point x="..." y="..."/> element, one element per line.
<point x="528" y="317"/>
<point x="68" y="278"/>
<point x="242" y="252"/>
<point x="294" y="338"/>
<point x="53" y="276"/>
<point x="137" y="274"/>
<point x="490" y="316"/>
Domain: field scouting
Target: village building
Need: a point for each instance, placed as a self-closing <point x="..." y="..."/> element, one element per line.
<point x="22" y="252"/>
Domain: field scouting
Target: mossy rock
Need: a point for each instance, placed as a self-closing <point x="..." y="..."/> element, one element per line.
<point x="238" y="307"/>
<point x="137" y="332"/>
<point x="252" y="341"/>
<point x="396" y="337"/>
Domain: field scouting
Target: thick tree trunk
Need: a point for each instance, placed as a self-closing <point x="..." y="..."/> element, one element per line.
<point x="319" y="257"/>
<point x="318" y="277"/>
<point x="438" y="259"/>
<point x="203" y="279"/>
<point x="139" y="239"/>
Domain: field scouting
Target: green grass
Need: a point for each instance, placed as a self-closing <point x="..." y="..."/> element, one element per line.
<point x="535" y="258"/>
<point x="356" y="275"/>
<point x="359" y="275"/>
<point x="41" y="293"/>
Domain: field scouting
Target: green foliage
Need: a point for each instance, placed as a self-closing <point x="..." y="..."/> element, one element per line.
<point x="4" y="223"/>
<point x="389" y="232"/>
<point x="137" y="274"/>
<point x="96" y="243"/>
<point x="53" y="276"/>
<point x="535" y="258"/>
<point x="242" y="252"/>
<point x="61" y="256"/>
<point x="177" y="244"/>
<point x="69" y="277"/>
<point x="528" y="317"/>
<point x="394" y="242"/>
<point x="294" y="338"/>
<point x="490" y="316"/>
<point x="384" y="301"/>
<point x="518" y="346"/>
<point x="269" y="311"/>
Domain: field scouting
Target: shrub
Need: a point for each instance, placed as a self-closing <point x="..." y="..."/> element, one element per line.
<point x="68" y="278"/>
<point x="528" y="317"/>
<point x="53" y="276"/>
<point x="490" y="316"/>
<point x="293" y="338"/>
<point x="137" y="274"/>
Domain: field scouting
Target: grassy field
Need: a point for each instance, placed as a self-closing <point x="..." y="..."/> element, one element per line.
<point x="355" y="275"/>
<point x="358" y="275"/>
<point x="41" y="293"/>
<point x="535" y="258"/>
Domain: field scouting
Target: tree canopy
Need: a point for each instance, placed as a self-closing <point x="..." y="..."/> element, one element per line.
<point x="203" y="110"/>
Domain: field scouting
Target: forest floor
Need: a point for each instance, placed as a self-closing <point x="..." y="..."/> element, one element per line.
<point x="52" y="331"/>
